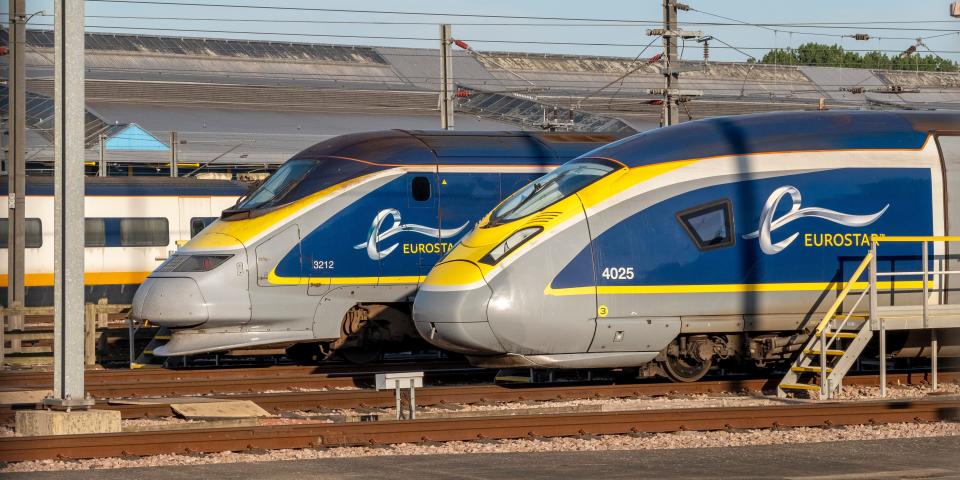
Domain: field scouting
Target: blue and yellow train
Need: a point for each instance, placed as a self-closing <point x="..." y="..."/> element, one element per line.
<point x="327" y="254"/>
<point x="713" y="239"/>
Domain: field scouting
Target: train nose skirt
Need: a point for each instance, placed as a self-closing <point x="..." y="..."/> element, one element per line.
<point x="170" y="302"/>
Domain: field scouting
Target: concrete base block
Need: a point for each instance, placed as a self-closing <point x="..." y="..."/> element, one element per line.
<point x="50" y="422"/>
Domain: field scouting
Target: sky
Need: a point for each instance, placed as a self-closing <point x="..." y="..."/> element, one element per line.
<point x="589" y="37"/>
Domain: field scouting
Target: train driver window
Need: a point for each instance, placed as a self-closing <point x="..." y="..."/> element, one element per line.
<point x="33" y="232"/>
<point x="420" y="189"/>
<point x="197" y="224"/>
<point x="710" y="225"/>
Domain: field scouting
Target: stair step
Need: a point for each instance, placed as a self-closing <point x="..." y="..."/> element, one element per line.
<point x="835" y="353"/>
<point x="162" y="337"/>
<point x="808" y="369"/>
<point x="798" y="386"/>
<point x="842" y="335"/>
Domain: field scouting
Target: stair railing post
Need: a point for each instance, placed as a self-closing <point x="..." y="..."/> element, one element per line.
<point x="875" y="320"/>
<point x="926" y="287"/>
<point x="824" y="387"/>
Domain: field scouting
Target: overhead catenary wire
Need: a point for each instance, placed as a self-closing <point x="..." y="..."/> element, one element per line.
<point x="478" y="40"/>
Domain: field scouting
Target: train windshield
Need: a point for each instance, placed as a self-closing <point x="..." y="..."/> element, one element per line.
<point x="566" y="180"/>
<point x="277" y="184"/>
<point x="298" y="178"/>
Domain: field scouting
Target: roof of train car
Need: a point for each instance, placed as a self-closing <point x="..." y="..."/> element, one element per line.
<point x="419" y="147"/>
<point x="780" y="132"/>
<point x="139" y="186"/>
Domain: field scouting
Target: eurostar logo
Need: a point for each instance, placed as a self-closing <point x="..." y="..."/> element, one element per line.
<point x="377" y="234"/>
<point x="769" y="225"/>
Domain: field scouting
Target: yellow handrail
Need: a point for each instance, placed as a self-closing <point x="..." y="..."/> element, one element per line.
<point x="843" y="294"/>
<point x="932" y="238"/>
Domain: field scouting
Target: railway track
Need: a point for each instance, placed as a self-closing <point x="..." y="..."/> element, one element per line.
<point x="153" y="382"/>
<point x="320" y="435"/>
<point x="474" y="394"/>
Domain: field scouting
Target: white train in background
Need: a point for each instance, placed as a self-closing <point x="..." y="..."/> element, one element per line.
<point x="132" y="225"/>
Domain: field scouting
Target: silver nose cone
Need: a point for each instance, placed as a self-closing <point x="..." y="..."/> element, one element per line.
<point x="454" y="316"/>
<point x="170" y="302"/>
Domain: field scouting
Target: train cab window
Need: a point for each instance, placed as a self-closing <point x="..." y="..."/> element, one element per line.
<point x="95" y="232"/>
<point x="197" y="224"/>
<point x="709" y="226"/>
<point x="420" y="189"/>
<point x="33" y="232"/>
<point x="566" y="180"/>
<point x="144" y="232"/>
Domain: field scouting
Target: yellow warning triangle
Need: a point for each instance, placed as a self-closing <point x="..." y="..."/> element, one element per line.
<point x="444" y="182"/>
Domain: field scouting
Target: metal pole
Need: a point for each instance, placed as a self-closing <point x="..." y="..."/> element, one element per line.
<point x="446" y="78"/>
<point x="16" y="164"/>
<point x="413" y="400"/>
<point x="874" y="318"/>
<point x="68" y="389"/>
<point x="173" y="155"/>
<point x="934" y="346"/>
<point x="670" y="112"/>
<point x="102" y="166"/>
<point x="926" y="277"/>
<point x="397" y="393"/>
<point x="824" y="387"/>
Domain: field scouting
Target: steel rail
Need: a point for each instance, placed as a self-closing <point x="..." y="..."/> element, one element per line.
<point x="318" y="435"/>
<point x="326" y="401"/>
<point x="145" y="382"/>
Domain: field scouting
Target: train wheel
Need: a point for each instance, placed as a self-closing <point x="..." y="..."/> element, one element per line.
<point x="685" y="369"/>
<point x="305" y="353"/>
<point x="360" y="355"/>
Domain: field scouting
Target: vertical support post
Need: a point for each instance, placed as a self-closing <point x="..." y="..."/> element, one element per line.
<point x="3" y="340"/>
<point x="824" y="383"/>
<point x="934" y="346"/>
<point x="413" y="400"/>
<point x="926" y="288"/>
<point x="102" y="165"/>
<point x="396" y="389"/>
<point x="89" y="335"/>
<point x="670" y="112"/>
<point x="446" y="77"/>
<point x="16" y="164"/>
<point x="174" y="172"/>
<point x="875" y="321"/>
<point x="69" y="139"/>
<point x="131" y="334"/>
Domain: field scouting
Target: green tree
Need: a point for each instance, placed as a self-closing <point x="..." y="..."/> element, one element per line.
<point x="818" y="54"/>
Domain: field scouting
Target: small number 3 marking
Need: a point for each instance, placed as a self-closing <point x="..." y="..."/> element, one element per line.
<point x="602" y="311"/>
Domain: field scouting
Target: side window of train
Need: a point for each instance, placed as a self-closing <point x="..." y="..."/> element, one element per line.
<point x="33" y="233"/>
<point x="197" y="224"/>
<point x="420" y="189"/>
<point x="710" y="225"/>
<point x="126" y="232"/>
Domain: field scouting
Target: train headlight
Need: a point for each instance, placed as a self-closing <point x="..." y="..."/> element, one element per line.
<point x="193" y="263"/>
<point x="510" y="244"/>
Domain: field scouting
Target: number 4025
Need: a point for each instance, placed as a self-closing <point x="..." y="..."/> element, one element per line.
<point x="618" y="273"/>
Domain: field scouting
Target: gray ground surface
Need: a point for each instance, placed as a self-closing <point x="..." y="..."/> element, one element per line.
<point x="909" y="458"/>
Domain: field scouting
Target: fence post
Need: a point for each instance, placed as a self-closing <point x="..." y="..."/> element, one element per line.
<point x="90" y="335"/>
<point x="15" y="324"/>
<point x="103" y="313"/>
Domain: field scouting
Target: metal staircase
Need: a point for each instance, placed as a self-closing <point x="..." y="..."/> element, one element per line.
<point x="839" y="339"/>
<point x="833" y="347"/>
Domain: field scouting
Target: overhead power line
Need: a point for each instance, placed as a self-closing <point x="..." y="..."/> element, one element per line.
<point x="425" y="39"/>
<point x="470" y="15"/>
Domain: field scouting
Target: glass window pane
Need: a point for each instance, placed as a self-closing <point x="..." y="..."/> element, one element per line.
<point x="566" y="180"/>
<point x="33" y="231"/>
<point x="709" y="225"/>
<point x="95" y="233"/>
<point x="144" y="232"/>
<point x="197" y="224"/>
